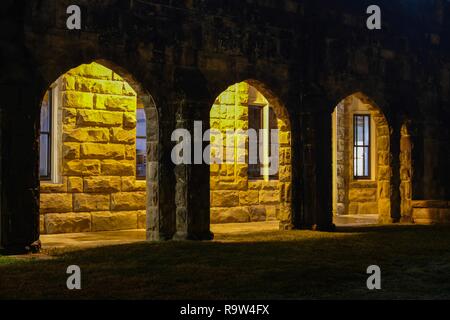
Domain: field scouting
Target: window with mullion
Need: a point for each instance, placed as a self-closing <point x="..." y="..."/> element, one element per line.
<point x="361" y="146"/>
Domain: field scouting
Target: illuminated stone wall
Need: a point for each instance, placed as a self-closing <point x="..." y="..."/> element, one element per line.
<point x="97" y="190"/>
<point x="234" y="197"/>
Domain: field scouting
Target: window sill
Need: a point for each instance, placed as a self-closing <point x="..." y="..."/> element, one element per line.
<point x="47" y="186"/>
<point x="363" y="184"/>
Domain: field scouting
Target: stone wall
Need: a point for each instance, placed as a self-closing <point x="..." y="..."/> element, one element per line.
<point x="184" y="53"/>
<point x="97" y="189"/>
<point x="235" y="197"/>
<point x="431" y="211"/>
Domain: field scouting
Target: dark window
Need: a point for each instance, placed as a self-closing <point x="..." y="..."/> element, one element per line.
<point x="361" y="146"/>
<point x="255" y="119"/>
<point x="141" y="144"/>
<point x="46" y="138"/>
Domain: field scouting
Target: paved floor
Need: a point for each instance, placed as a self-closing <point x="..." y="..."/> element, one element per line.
<point x="355" y="220"/>
<point x="91" y="239"/>
<point x="95" y="239"/>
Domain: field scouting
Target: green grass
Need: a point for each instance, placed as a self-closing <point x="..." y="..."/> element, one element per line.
<point x="415" y="263"/>
<point x="7" y="260"/>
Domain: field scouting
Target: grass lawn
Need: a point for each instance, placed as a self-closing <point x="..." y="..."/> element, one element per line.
<point x="415" y="263"/>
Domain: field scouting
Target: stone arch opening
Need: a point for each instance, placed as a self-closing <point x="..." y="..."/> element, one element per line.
<point x="361" y="162"/>
<point x="246" y="189"/>
<point x="104" y="138"/>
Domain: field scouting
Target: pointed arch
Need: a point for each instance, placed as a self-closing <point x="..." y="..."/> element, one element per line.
<point x="353" y="194"/>
<point x="104" y="97"/>
<point x="235" y="197"/>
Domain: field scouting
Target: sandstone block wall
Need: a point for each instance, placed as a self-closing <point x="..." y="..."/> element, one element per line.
<point x="234" y="197"/>
<point x="97" y="189"/>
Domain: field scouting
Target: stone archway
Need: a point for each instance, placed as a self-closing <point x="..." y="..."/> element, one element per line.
<point x="354" y="194"/>
<point x="234" y="195"/>
<point x="98" y="189"/>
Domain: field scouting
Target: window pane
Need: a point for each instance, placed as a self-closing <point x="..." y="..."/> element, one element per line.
<point x="44" y="154"/>
<point x="43" y="160"/>
<point x="140" y="123"/>
<point x="366" y="130"/>
<point x="141" y="143"/>
<point x="45" y="113"/>
<point x="254" y="117"/>
<point x="359" y="131"/>
<point x="366" y="162"/>
<point x="361" y="146"/>
<point x="141" y="157"/>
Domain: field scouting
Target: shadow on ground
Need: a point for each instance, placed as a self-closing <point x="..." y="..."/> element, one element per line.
<point x="415" y="263"/>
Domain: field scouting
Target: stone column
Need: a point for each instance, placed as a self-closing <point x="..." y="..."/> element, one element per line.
<point x="160" y="180"/>
<point x="394" y="195"/>
<point x="20" y="172"/>
<point x="405" y="173"/>
<point x="192" y="186"/>
<point x="316" y="164"/>
<point x="417" y="160"/>
<point x="297" y="172"/>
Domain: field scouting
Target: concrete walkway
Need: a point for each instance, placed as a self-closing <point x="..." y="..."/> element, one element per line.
<point x="91" y="239"/>
<point x="96" y="239"/>
<point x="355" y="220"/>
